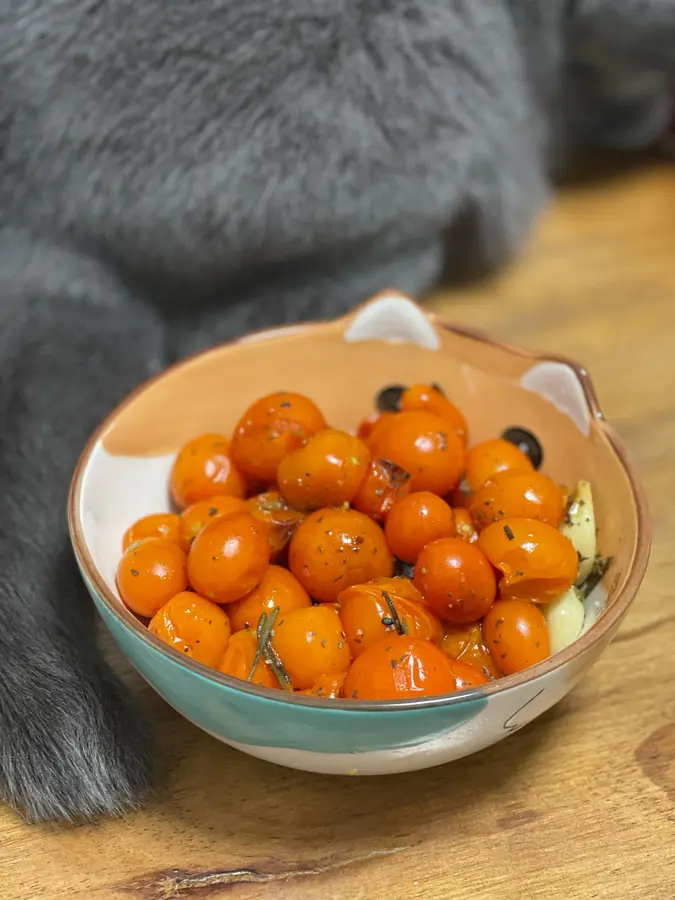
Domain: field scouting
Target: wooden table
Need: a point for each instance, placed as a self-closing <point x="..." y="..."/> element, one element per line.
<point x="581" y="804"/>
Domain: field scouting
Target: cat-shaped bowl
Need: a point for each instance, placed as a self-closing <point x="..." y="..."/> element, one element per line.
<point x="124" y="473"/>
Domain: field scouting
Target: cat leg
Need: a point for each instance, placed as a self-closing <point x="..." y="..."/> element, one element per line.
<point x="72" y="343"/>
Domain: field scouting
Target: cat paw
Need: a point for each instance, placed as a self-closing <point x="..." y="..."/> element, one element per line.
<point x="72" y="746"/>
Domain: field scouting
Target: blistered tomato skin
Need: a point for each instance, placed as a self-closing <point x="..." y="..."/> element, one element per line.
<point x="335" y="548"/>
<point x="415" y="521"/>
<point x="279" y="519"/>
<point x="384" y="485"/>
<point x="270" y="429"/>
<point x="456" y="580"/>
<point x="150" y="573"/>
<point x="488" y="458"/>
<point x="195" y="517"/>
<point x="466" y="643"/>
<point x="400" y="668"/>
<point x="427" y="398"/>
<point x="278" y="587"/>
<point x="326" y="471"/>
<point x="425" y="446"/>
<point x="311" y="643"/>
<point x="467" y="675"/>
<point x="194" y="626"/>
<point x="537" y="562"/>
<point x="159" y="525"/>
<point x="512" y="494"/>
<point x="516" y="634"/>
<point x="367" y="616"/>
<point x="204" y="468"/>
<point x="228" y="558"/>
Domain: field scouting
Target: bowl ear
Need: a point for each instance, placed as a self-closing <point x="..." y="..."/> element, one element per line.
<point x="393" y="317"/>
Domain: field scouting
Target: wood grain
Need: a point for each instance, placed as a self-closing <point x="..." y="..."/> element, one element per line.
<point x="581" y="804"/>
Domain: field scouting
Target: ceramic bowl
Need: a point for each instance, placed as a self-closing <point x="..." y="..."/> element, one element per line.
<point x="124" y="471"/>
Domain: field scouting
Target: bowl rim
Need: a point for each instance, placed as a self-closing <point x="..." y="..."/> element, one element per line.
<point x="604" y="624"/>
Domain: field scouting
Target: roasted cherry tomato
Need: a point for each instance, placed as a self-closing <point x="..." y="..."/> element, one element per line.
<point x="415" y="521"/>
<point x="239" y="657"/>
<point x="311" y="643"/>
<point x="159" y="525"/>
<point x="229" y="557"/>
<point x="193" y="625"/>
<point x="526" y="442"/>
<point x="203" y="469"/>
<point x="270" y="429"/>
<point x="279" y="519"/>
<point x="456" y="580"/>
<point x="465" y="642"/>
<point x="467" y="675"/>
<point x="330" y="686"/>
<point x="367" y="426"/>
<point x="367" y="616"/>
<point x="537" y="562"/>
<point x="512" y="494"/>
<point x="425" y="446"/>
<point x="278" y="587"/>
<point x="429" y="399"/>
<point x="384" y="485"/>
<point x="464" y="527"/>
<point x="195" y="517"/>
<point x="150" y="573"/>
<point x="335" y="548"/>
<point x="488" y="458"/>
<point x="400" y="667"/>
<point x="516" y="635"/>
<point x="326" y="471"/>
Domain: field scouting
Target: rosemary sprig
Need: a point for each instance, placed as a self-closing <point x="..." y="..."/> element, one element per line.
<point x="266" y="651"/>
<point x="401" y="626"/>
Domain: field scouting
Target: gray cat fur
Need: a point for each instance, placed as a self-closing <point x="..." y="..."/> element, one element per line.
<point x="172" y="174"/>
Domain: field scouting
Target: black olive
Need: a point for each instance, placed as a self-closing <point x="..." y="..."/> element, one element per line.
<point x="389" y="398"/>
<point x="439" y="389"/>
<point x="403" y="570"/>
<point x="527" y="443"/>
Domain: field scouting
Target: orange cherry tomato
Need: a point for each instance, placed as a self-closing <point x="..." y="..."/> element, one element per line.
<point x="400" y="668"/>
<point x="464" y="527"/>
<point x="195" y="517"/>
<point x="465" y="642"/>
<point x="488" y="458"/>
<point x="159" y="525"/>
<point x="537" y="562"/>
<point x="311" y="643"/>
<point x="270" y="429"/>
<point x="330" y="686"/>
<point x="239" y="657"/>
<point x="150" y="573"/>
<point x="193" y="625"/>
<point x="520" y="495"/>
<point x="326" y="471"/>
<point x="279" y="520"/>
<point x="456" y="580"/>
<point x="228" y="558"/>
<point x="430" y="399"/>
<point x="335" y="548"/>
<point x="425" y="446"/>
<point x="516" y="635"/>
<point x="384" y="485"/>
<point x="367" y="426"/>
<point x="415" y="521"/>
<point x="278" y="587"/>
<point x="367" y="618"/>
<point x="467" y="675"/>
<point x="203" y="469"/>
